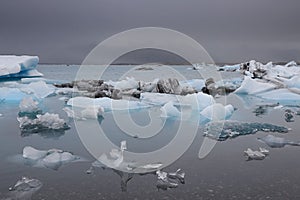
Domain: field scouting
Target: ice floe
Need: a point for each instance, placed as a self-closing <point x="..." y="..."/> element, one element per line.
<point x="18" y="66"/>
<point x="52" y="158"/>
<point x="256" y="155"/>
<point x="170" y="180"/>
<point x="28" y="105"/>
<point x="277" y="142"/>
<point x="222" y="130"/>
<point x="253" y="86"/>
<point x="84" y="114"/>
<point x="106" y="103"/>
<point x="23" y="189"/>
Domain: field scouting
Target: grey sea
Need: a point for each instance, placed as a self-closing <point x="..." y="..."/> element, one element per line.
<point x="223" y="174"/>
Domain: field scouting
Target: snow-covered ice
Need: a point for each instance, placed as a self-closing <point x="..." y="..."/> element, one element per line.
<point x="18" y="66"/>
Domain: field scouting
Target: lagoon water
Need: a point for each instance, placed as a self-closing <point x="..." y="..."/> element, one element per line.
<point x="223" y="174"/>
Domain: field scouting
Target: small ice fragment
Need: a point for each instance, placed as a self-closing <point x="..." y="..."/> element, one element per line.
<point x="33" y="154"/>
<point x="179" y="175"/>
<point x="24" y="189"/>
<point x="254" y="155"/>
<point x="163" y="182"/>
<point x="289" y="117"/>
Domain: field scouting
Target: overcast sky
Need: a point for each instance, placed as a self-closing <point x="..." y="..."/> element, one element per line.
<point x="64" y="31"/>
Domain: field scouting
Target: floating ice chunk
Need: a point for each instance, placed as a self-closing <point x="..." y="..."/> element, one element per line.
<point x="163" y="182"/>
<point x="52" y="159"/>
<point x="46" y="121"/>
<point x="253" y="86"/>
<point x="40" y="89"/>
<point x="24" y="189"/>
<point x="91" y="112"/>
<point x="106" y="103"/>
<point x="197" y="101"/>
<point x="117" y="157"/>
<point x="18" y="66"/>
<point x="1" y="115"/>
<point x="222" y="130"/>
<point x="147" y="86"/>
<point x="217" y="112"/>
<point x="33" y="154"/>
<point x="277" y="142"/>
<point x="169" y="110"/>
<point x="178" y="175"/>
<point x="256" y="155"/>
<point x="48" y="81"/>
<point x="28" y="105"/>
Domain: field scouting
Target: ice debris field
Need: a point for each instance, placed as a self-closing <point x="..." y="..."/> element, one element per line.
<point x="277" y="86"/>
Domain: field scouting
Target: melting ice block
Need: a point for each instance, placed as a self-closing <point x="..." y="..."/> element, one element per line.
<point x="18" y="66"/>
<point x="52" y="159"/>
<point x="28" y="105"/>
<point x="277" y="142"/>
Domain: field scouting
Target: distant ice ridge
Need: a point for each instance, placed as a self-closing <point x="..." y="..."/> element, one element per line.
<point x="18" y="66"/>
<point x="53" y="158"/>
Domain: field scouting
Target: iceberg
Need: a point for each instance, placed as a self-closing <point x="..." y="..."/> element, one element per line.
<point x="39" y="89"/>
<point x="253" y="86"/>
<point x="18" y="66"/>
<point x="52" y="159"/>
<point x="24" y="189"/>
<point x="169" y="110"/>
<point x="277" y="142"/>
<point x="106" y="103"/>
<point x="230" y="68"/>
<point x="217" y="112"/>
<point x="197" y="101"/>
<point x="280" y="95"/>
<point x="222" y="130"/>
<point x="157" y="99"/>
<point x="8" y="94"/>
<point x="127" y="84"/>
<point x="256" y="155"/>
<point x="87" y="113"/>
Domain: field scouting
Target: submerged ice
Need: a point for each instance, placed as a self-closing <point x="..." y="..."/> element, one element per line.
<point x="277" y="142"/>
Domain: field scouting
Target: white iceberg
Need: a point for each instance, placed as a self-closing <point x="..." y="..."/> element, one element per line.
<point x="253" y="86"/>
<point x="107" y="104"/>
<point x="158" y="99"/>
<point x="280" y="95"/>
<point x="39" y="89"/>
<point x="230" y="68"/>
<point x="196" y="84"/>
<point x="8" y="94"/>
<point x="197" y="101"/>
<point x="18" y="66"/>
<point x="217" y="112"/>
